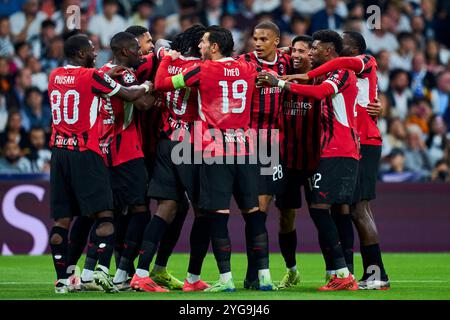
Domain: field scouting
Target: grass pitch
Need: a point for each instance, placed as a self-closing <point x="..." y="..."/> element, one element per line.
<point x="421" y="276"/>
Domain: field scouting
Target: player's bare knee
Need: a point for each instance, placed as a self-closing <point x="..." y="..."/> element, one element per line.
<point x="264" y="202"/>
<point x="56" y="239"/>
<point x="167" y="210"/>
<point x="138" y="209"/>
<point x="104" y="229"/>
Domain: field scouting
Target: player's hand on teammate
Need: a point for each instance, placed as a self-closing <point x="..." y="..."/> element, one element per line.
<point x="302" y="77"/>
<point x="174" y="54"/>
<point x="150" y="85"/>
<point x="116" y="71"/>
<point x="268" y="79"/>
<point x="375" y="109"/>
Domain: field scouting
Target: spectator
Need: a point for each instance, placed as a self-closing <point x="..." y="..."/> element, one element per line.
<point x="158" y="29"/>
<point x="419" y="114"/>
<point x="109" y="23"/>
<point x="326" y="18"/>
<point x="246" y="17"/>
<point x="211" y="13"/>
<point x="436" y="141"/>
<point x="103" y="55"/>
<point x="27" y="23"/>
<point x="184" y="18"/>
<point x="144" y="10"/>
<point x="38" y="77"/>
<point x="441" y="172"/>
<point x="14" y="131"/>
<point x="381" y="39"/>
<point x="35" y="114"/>
<point x="432" y="55"/>
<point x="22" y="50"/>
<point x="41" y="42"/>
<point x="396" y="137"/>
<point x="39" y="155"/>
<point x="399" y="93"/>
<point x="261" y="6"/>
<point x="383" y="70"/>
<point x="440" y="96"/>
<point x="416" y="156"/>
<point x="402" y="58"/>
<point x="167" y="7"/>
<point x="55" y="55"/>
<point x="428" y="8"/>
<point x="422" y="81"/>
<point x="12" y="161"/>
<point x="309" y="7"/>
<point x="229" y="22"/>
<point x="418" y="31"/>
<point x="284" y="14"/>
<point x="10" y="7"/>
<point x="15" y="98"/>
<point x="6" y="80"/>
<point x="6" y="46"/>
<point x="3" y="113"/>
<point x="395" y="10"/>
<point x="299" y="25"/>
<point x="397" y="171"/>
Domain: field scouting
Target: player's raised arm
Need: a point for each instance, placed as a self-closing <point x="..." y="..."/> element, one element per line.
<point x="188" y="78"/>
<point x="355" y="64"/>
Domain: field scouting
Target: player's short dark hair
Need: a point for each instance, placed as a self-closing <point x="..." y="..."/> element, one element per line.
<point x="329" y="36"/>
<point x="121" y="40"/>
<point x="74" y="44"/>
<point x="68" y="34"/>
<point x="187" y="41"/>
<point x="269" y="25"/>
<point x="357" y="41"/>
<point x="223" y="38"/>
<point x="303" y="38"/>
<point x="137" y="31"/>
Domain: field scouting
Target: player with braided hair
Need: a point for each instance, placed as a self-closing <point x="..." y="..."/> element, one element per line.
<point x="171" y="181"/>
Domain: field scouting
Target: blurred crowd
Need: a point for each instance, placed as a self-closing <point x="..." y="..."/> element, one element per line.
<point x="411" y="47"/>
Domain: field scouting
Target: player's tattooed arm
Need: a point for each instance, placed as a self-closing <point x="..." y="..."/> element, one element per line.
<point x="267" y="79"/>
<point x="301" y="77"/>
<point x="145" y="102"/>
<point x="133" y="93"/>
<point x="355" y="64"/>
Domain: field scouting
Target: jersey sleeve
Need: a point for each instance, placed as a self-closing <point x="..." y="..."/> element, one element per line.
<point x="318" y="92"/>
<point x="338" y="80"/>
<point x="101" y="83"/>
<point x="128" y="79"/>
<point x="355" y="64"/>
<point x="188" y="78"/>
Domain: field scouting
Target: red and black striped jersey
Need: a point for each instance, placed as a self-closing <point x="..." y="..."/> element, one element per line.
<point x="339" y="131"/>
<point x="150" y="121"/>
<point x="365" y="67"/>
<point x="73" y="92"/>
<point x="181" y="105"/>
<point x="367" y="92"/>
<point x="120" y="137"/>
<point x="300" y="130"/>
<point x="225" y="88"/>
<point x="266" y="101"/>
